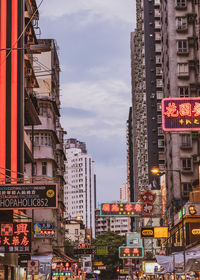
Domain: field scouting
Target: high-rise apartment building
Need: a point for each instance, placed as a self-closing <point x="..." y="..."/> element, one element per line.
<point x="124" y="193"/>
<point x="80" y="187"/>
<point x="180" y="66"/>
<point x="148" y="139"/>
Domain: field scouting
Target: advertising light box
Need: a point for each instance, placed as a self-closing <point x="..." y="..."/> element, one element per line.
<point x="180" y="114"/>
<point x="131" y="252"/>
<point x="127" y="209"/>
<point x="44" y="230"/>
<point x="15" y="237"/>
<point x="28" y="196"/>
<point x="151" y="267"/>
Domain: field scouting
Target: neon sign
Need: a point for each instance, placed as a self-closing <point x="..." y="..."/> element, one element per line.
<point x="15" y="238"/>
<point x="131" y="252"/>
<point x="180" y="114"/>
<point x="121" y="209"/>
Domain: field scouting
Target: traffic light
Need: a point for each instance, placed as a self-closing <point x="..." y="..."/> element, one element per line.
<point x="137" y="273"/>
<point x="117" y="269"/>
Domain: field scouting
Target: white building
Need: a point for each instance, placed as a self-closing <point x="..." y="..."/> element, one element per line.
<point x="115" y="224"/>
<point x="124" y="193"/>
<point x="80" y="188"/>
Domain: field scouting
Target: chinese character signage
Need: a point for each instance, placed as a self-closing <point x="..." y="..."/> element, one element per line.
<point x="44" y="230"/>
<point x="147" y="198"/>
<point x="131" y="252"/>
<point x="154" y="232"/>
<point x="121" y="209"/>
<point x="85" y="251"/>
<point x="15" y="238"/>
<point x="180" y="114"/>
<point x="28" y="196"/>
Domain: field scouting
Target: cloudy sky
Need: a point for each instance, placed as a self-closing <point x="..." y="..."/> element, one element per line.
<point x="94" y="49"/>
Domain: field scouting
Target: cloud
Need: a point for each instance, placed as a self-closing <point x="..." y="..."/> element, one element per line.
<point x="104" y="104"/>
<point x="92" y="10"/>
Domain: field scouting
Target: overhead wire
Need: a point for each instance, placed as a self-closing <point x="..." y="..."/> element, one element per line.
<point x="26" y="26"/>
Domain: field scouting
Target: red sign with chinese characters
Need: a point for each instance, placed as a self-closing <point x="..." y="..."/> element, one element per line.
<point x="121" y="209"/>
<point x="15" y="238"/>
<point x="147" y="196"/>
<point x="131" y="252"/>
<point x="180" y="114"/>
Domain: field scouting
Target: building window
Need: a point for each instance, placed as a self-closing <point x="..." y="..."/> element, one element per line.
<point x="34" y="169"/>
<point x="76" y="231"/>
<point x="186" y="164"/>
<point x="181" y="23"/>
<point x="187" y="188"/>
<point x="186" y="140"/>
<point x="44" y="168"/>
<point x="158" y="59"/>
<point x="182" y="46"/>
<point x="36" y="139"/>
<point x="183" y="91"/>
<point x="159" y="83"/>
<point x="181" y="3"/>
<point x="183" y="69"/>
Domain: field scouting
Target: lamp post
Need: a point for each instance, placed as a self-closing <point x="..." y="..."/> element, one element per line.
<point x="156" y="171"/>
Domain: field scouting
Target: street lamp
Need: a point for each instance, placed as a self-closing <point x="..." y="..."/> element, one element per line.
<point x="156" y="171"/>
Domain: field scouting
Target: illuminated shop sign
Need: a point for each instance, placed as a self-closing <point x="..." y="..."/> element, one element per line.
<point x="192" y="233"/>
<point x="180" y="114"/>
<point x="28" y="196"/>
<point x="63" y="273"/>
<point x="131" y="252"/>
<point x="121" y="209"/>
<point x="154" y="232"/>
<point x="44" y="230"/>
<point x="15" y="237"/>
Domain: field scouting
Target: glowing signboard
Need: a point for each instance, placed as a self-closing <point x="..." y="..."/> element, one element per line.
<point x="44" y="230"/>
<point x="28" y="196"/>
<point x="131" y="252"/>
<point x="15" y="237"/>
<point x="180" y="114"/>
<point x="154" y="232"/>
<point x="126" y="209"/>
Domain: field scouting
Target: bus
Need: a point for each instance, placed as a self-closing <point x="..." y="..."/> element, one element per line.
<point x="91" y="276"/>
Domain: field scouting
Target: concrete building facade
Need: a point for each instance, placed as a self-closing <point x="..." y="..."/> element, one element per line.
<point x="180" y="57"/>
<point x="80" y="187"/>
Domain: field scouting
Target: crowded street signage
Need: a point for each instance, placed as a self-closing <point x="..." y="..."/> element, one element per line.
<point x="121" y="209"/>
<point x="154" y="232"/>
<point x="102" y="250"/>
<point x="44" y="230"/>
<point x="131" y="252"/>
<point x="28" y="196"/>
<point x="180" y="114"/>
<point x="133" y="239"/>
<point x="85" y="251"/>
<point x="15" y="237"/>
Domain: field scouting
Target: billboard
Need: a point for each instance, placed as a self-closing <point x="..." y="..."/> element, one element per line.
<point x="15" y="237"/>
<point x="28" y="196"/>
<point x="125" y="209"/>
<point x="180" y="114"/>
<point x="131" y="252"/>
<point x="44" y="230"/>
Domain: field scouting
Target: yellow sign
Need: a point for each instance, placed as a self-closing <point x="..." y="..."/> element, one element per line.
<point x="196" y="231"/>
<point x="98" y="263"/>
<point x="161" y="232"/>
<point x="147" y="232"/>
<point x="124" y="271"/>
